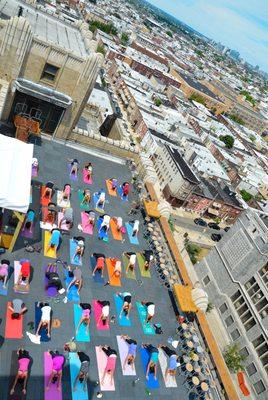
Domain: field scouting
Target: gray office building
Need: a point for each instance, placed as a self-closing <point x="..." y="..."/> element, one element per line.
<point x="235" y="276"/>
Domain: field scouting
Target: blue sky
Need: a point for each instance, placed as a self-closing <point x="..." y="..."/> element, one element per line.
<point x="239" y="24"/>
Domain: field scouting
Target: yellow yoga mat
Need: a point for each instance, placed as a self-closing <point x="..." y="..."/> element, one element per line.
<point x="51" y="252"/>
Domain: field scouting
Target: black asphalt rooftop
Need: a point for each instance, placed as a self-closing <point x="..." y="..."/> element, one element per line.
<point x="182" y="165"/>
<point x="198" y="86"/>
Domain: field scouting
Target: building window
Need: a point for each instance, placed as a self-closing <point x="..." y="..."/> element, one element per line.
<point x="229" y="321"/>
<point x="49" y="72"/>
<point x="206" y="280"/>
<point x="235" y="334"/>
<point x="264" y="274"/>
<point x="251" y="369"/>
<point x="244" y="352"/>
<point x="261" y="348"/>
<point x="223" y="308"/>
<point x="259" y="387"/>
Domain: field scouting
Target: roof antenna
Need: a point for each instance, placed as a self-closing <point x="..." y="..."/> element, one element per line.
<point x="20" y="12"/>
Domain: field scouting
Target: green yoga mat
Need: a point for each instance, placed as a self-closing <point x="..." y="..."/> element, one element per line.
<point x="130" y="274"/>
<point x="141" y="261"/>
<point x="80" y="198"/>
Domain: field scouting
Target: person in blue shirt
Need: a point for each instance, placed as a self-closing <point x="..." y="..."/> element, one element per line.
<point x="54" y="240"/>
<point x="153" y="361"/>
<point x="173" y="360"/>
<point x="29" y="220"/>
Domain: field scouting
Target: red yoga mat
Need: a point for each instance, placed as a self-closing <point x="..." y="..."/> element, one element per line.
<point x="13" y="326"/>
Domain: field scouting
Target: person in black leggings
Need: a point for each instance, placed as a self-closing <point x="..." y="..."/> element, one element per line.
<point x="53" y="277"/>
<point x="23" y="370"/>
<point x="131" y="355"/>
<point x="173" y="360"/>
<point x="111" y="362"/>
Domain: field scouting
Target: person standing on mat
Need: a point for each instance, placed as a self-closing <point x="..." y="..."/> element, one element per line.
<point x="125" y="189"/>
<point x="153" y="361"/>
<point x="55" y="240"/>
<point x="58" y="361"/>
<point x="132" y="348"/>
<point x="77" y="281"/>
<point x="17" y="308"/>
<point x="4" y="271"/>
<point x="53" y="278"/>
<point x="99" y="258"/>
<point x="85" y="318"/>
<point x="148" y="257"/>
<point x="74" y="166"/>
<point x="68" y="218"/>
<point x="80" y="248"/>
<point x="23" y="370"/>
<point x="105" y="311"/>
<point x="135" y="229"/>
<point x="173" y="360"/>
<point x="110" y="364"/>
<point x="132" y="260"/>
<point x="48" y="192"/>
<point x="150" y="310"/>
<point x="126" y="307"/>
<point x="86" y="197"/>
<point x="45" y="320"/>
<point x="24" y="275"/>
<point x="88" y="168"/>
<point x="29" y="220"/>
<point x="82" y="375"/>
<point x="101" y="200"/>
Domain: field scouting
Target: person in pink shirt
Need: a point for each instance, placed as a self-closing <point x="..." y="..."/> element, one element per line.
<point x="23" y="370"/>
<point x="111" y="363"/>
<point x="85" y="318"/>
<point x="66" y="193"/>
<point x="58" y="361"/>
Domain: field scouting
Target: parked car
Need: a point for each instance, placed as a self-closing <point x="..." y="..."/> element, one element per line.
<point x="216" y="237"/>
<point x="227" y="228"/>
<point x="213" y="225"/>
<point x="200" y="221"/>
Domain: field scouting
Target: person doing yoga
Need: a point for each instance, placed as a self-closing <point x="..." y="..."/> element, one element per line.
<point x="105" y="311"/>
<point x="24" y="275"/>
<point x="29" y="220"/>
<point x="119" y="223"/>
<point x="4" y="271"/>
<point x="135" y="229"/>
<point x="17" y="308"/>
<point x="114" y="183"/>
<point x="58" y="361"/>
<point x="173" y="360"/>
<point x="85" y="318"/>
<point x="53" y="278"/>
<point x="82" y="375"/>
<point x="132" y="260"/>
<point x="125" y="189"/>
<point x="110" y="364"/>
<point x="91" y="217"/>
<point x="117" y="272"/>
<point x="150" y="310"/>
<point x="80" y="248"/>
<point x="68" y="218"/>
<point x="148" y="257"/>
<point x="48" y="192"/>
<point x="55" y="240"/>
<point x="153" y="361"/>
<point x="77" y="281"/>
<point x="51" y="214"/>
<point x="99" y="258"/>
<point x="86" y="197"/>
<point x="132" y="348"/>
<point x="89" y="169"/>
<point x="126" y="307"/>
<point x="74" y="166"/>
<point x="23" y="370"/>
<point x="101" y="200"/>
<point x="45" y="321"/>
<point x="66" y="192"/>
<point x="105" y="224"/>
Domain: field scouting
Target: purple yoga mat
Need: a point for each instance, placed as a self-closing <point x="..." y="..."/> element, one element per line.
<point x="73" y="177"/>
<point x="52" y="393"/>
<point x="26" y="233"/>
<point x="34" y="171"/>
<point x="52" y="291"/>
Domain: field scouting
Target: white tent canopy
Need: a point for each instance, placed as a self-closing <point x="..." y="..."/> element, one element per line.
<point x="15" y="173"/>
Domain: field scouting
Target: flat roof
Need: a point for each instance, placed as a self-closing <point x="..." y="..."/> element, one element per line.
<point x="182" y="165"/>
<point x="46" y="26"/>
<point x="198" y="86"/>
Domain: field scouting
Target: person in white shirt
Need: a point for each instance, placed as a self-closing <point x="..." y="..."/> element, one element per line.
<point x="101" y="199"/>
<point x="45" y="318"/>
<point x="105" y="222"/>
<point x="132" y="260"/>
<point x="150" y="310"/>
<point x="104" y="317"/>
<point x="135" y="228"/>
<point x="119" y="223"/>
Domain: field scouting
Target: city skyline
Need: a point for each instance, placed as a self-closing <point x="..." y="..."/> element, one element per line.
<point x="244" y="26"/>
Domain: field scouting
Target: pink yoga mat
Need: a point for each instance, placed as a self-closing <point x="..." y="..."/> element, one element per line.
<point x="85" y="180"/>
<point x="53" y="393"/>
<point x="87" y="228"/>
<point x="102" y="361"/>
<point x="63" y="226"/>
<point x="97" y="313"/>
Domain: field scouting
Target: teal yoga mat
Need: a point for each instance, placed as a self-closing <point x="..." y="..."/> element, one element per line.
<point x="148" y="329"/>
<point x="132" y="239"/>
<point x="79" y="393"/>
<point x="82" y="335"/>
<point x="123" y="321"/>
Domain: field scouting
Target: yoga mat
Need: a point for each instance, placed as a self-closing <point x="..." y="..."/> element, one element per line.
<point x="3" y="291"/>
<point x="52" y="291"/>
<point x="141" y="261"/>
<point x="95" y="199"/>
<point x="151" y="383"/>
<point x="13" y="328"/>
<point x="123" y="321"/>
<point x="101" y="362"/>
<point x="114" y="281"/>
<point x="131" y="273"/>
<point x="109" y="187"/>
<point x="123" y="352"/>
<point x="102" y="234"/>
<point x="97" y="312"/>
<point x="87" y="228"/>
<point x="8" y="381"/>
<point x="148" y="329"/>
<point x="17" y="268"/>
<point x="34" y="171"/>
<point x="44" y="201"/>
<point x="170" y="381"/>
<point x="26" y="232"/>
<point x="82" y="335"/>
<point x="85" y="180"/>
<point x="42" y="331"/>
<point x="116" y="235"/>
<point x="31" y="194"/>
<point x="133" y="240"/>
<point x="97" y="277"/>
<point x="73" y="177"/>
<point x="120" y="192"/>
<point x="77" y="260"/>
<point x="79" y="393"/>
<point x="72" y="295"/>
<point x="64" y="227"/>
<point x="80" y="198"/>
<point x="62" y="203"/>
<point x="46" y="225"/>
<point x="51" y="252"/>
<point x="52" y="393"/>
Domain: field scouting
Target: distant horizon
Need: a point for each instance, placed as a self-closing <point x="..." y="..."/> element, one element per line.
<point x="243" y="27"/>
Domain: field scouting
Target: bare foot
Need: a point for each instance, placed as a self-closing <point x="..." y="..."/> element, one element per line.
<point x="11" y="391"/>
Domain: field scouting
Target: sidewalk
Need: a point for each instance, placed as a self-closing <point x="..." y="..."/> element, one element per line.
<point x="180" y="212"/>
<point x="194" y="237"/>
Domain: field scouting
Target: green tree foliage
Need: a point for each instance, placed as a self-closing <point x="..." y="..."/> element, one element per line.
<point x="228" y="140"/>
<point x="252" y="138"/>
<point x="107" y="28"/>
<point x="157" y="102"/>
<point x="234" y="360"/>
<point x="124" y="39"/>
<point x="237" y="119"/>
<point x="101" y="49"/>
<point x="199" y="53"/>
<point x="171" y="224"/>
<point x="248" y="97"/>
<point x="169" y="33"/>
<point x="198" y="98"/>
<point x="193" y="250"/>
<point x="246" y="196"/>
<point x="210" y="307"/>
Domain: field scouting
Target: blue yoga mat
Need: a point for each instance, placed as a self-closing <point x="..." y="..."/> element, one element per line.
<point x="120" y="192"/>
<point x="97" y="278"/>
<point x="43" y="331"/>
<point x="123" y="321"/>
<point x="72" y="295"/>
<point x="151" y="383"/>
<point x="102" y="234"/>
<point x="95" y="199"/>
<point x="77" y="260"/>
<point x="82" y="335"/>
<point x="75" y="364"/>
<point x="132" y="239"/>
<point x="148" y="329"/>
<point x="3" y="291"/>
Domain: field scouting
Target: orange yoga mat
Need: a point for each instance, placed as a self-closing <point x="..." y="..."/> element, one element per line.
<point x="13" y="326"/>
<point x="109" y="187"/>
<point x="44" y="201"/>
<point x="114" y="281"/>
<point x="116" y="235"/>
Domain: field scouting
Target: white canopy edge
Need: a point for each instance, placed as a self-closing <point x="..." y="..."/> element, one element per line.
<point x="15" y="173"/>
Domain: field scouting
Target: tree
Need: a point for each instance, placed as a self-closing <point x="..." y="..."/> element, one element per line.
<point x="252" y="138"/>
<point x="171" y="224"/>
<point x="169" y="33"/>
<point x="101" y="49"/>
<point x="236" y="119"/>
<point x="228" y="140"/>
<point x="234" y="359"/>
<point x="193" y="250"/>
<point x="198" y="98"/>
<point x="248" y="97"/>
<point x="210" y="307"/>
<point x="157" y="102"/>
<point x="246" y="196"/>
<point x="107" y="28"/>
<point x="124" y="39"/>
